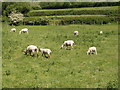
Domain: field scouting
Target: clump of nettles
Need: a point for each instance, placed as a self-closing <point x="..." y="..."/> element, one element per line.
<point x="16" y="18"/>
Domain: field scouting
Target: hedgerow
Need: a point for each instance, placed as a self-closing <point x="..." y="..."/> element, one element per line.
<point x="72" y="12"/>
<point x="64" y="20"/>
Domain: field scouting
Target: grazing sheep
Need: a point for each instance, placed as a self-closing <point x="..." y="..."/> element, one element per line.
<point x="25" y="30"/>
<point x="45" y="52"/>
<point x="92" y="50"/>
<point x="68" y="43"/>
<point x="13" y="30"/>
<point x="76" y="33"/>
<point x="101" y="32"/>
<point x="31" y="49"/>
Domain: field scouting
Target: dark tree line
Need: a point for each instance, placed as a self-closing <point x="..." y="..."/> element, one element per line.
<point x="8" y="7"/>
<point x="59" y="5"/>
<point x="25" y="7"/>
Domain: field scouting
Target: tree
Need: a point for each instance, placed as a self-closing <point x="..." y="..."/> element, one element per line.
<point x="15" y="18"/>
<point x="8" y="7"/>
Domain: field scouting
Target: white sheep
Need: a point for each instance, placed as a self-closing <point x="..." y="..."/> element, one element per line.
<point x="92" y="50"/>
<point x="101" y="32"/>
<point x="76" y="33"/>
<point x="45" y="52"/>
<point x="13" y="30"/>
<point x="68" y="43"/>
<point x="31" y="49"/>
<point x="25" y="30"/>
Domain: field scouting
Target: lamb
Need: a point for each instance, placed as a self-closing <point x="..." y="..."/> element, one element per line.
<point x="31" y="49"/>
<point x="13" y="30"/>
<point x="68" y="43"/>
<point x="101" y="32"/>
<point x="76" y="33"/>
<point x="25" y="30"/>
<point x="45" y="52"/>
<point x="92" y="50"/>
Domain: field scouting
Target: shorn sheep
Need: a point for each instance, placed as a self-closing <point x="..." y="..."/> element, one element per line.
<point x="101" y="32"/>
<point x="25" y="30"/>
<point x="67" y="43"/>
<point x="76" y="33"/>
<point x="13" y="30"/>
<point x="46" y="52"/>
<point x="31" y="50"/>
<point x="92" y="50"/>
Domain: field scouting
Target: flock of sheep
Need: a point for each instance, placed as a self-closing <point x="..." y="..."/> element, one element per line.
<point x="33" y="50"/>
<point x="25" y="30"/>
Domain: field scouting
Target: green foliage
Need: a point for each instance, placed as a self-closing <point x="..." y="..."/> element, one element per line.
<point x="36" y="21"/>
<point x="35" y="5"/>
<point x="64" y="20"/>
<point x="59" y="5"/>
<point x="80" y="11"/>
<point x="16" y="18"/>
<point x="112" y="84"/>
<point x="65" y="68"/>
<point x="22" y="7"/>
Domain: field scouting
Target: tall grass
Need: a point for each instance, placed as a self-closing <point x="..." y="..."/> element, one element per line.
<point x="66" y="68"/>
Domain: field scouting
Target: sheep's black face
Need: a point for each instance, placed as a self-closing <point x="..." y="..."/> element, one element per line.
<point x="25" y="51"/>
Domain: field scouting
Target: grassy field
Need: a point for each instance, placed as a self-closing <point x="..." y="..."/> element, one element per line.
<point x="86" y="8"/>
<point x="60" y="16"/>
<point x="65" y="68"/>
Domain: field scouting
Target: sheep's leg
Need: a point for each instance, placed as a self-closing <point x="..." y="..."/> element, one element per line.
<point x="87" y="53"/>
<point x="33" y="55"/>
<point x="37" y="55"/>
<point x="72" y="46"/>
<point x="66" y="47"/>
<point x="96" y="52"/>
<point x="30" y="53"/>
<point x="42" y="54"/>
<point x="25" y="53"/>
<point x="49" y="55"/>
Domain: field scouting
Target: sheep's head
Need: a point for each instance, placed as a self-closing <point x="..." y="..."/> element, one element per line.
<point x="19" y="32"/>
<point x="25" y="51"/>
<point x="61" y="46"/>
<point x="40" y="49"/>
<point x="88" y="52"/>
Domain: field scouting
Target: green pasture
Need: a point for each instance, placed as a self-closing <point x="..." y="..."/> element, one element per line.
<point x="113" y="10"/>
<point x="86" y="8"/>
<point x="65" y="68"/>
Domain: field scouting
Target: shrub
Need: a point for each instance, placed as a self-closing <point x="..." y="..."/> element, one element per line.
<point x="16" y="18"/>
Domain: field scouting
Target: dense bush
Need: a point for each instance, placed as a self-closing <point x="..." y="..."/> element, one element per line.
<point x="64" y="20"/>
<point x="72" y="12"/>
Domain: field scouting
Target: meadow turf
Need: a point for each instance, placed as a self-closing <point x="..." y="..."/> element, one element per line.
<point x="65" y="68"/>
<point x="83" y="8"/>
